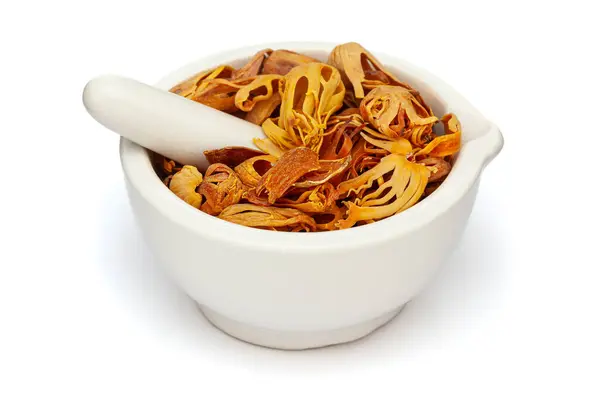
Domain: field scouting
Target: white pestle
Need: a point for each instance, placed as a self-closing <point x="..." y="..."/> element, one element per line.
<point x="164" y="122"/>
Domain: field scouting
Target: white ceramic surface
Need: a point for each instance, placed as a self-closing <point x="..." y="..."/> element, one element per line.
<point x="299" y="290"/>
<point x="162" y="121"/>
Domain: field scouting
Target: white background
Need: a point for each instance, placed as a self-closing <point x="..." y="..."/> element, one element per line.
<point x="513" y="314"/>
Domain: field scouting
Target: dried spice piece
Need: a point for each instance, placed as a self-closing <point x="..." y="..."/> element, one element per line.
<point x="312" y="93"/>
<point x="327" y="170"/>
<point x="263" y="109"/>
<point x="318" y="199"/>
<point x="279" y="137"/>
<point x="197" y="83"/>
<point x="268" y="146"/>
<point x="283" y="61"/>
<point x="170" y="166"/>
<point x="339" y="143"/>
<point x="364" y="158"/>
<point x="361" y="70"/>
<point x="327" y="220"/>
<point x="447" y="144"/>
<point x="390" y="196"/>
<point x="184" y="184"/>
<point x="261" y="88"/>
<point x="253" y="66"/>
<point x="292" y="165"/>
<point x="438" y="168"/>
<point x="221" y="188"/>
<point x="350" y="116"/>
<point x="395" y="112"/>
<point x="396" y="146"/>
<point x="268" y="217"/>
<point x="251" y="171"/>
<point x="231" y="156"/>
<point x="163" y="166"/>
<point x="220" y="93"/>
<point x="421" y="135"/>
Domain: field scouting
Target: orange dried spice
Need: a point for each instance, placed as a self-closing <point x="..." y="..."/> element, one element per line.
<point x="293" y="165"/>
<point x="346" y="143"/>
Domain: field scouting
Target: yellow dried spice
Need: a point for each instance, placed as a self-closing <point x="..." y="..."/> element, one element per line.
<point x="184" y="184"/>
<point x="283" y="61"/>
<point x="253" y="66"/>
<point x="197" y="83"/>
<point x="263" y="109"/>
<point x="268" y="146"/>
<point x="313" y="92"/>
<point x="350" y="117"/>
<point x="261" y="88"/>
<point x="447" y="144"/>
<point x="327" y="171"/>
<point x="221" y="188"/>
<point x="268" y="217"/>
<point x="389" y="196"/>
<point x="220" y="93"/>
<point x="251" y="171"/>
<point x="360" y="70"/>
<point x="328" y="220"/>
<point x="395" y="112"/>
<point x="293" y="165"/>
<point x="396" y="146"/>
<point x="317" y="199"/>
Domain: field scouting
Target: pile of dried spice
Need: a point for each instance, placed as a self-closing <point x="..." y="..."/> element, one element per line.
<point x="346" y="143"/>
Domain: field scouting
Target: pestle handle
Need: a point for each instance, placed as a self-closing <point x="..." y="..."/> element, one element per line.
<point x="164" y="122"/>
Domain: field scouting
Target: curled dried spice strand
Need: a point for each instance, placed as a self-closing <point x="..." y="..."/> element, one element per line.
<point x="198" y="82"/>
<point x="253" y="66"/>
<point x="317" y="199"/>
<point x="389" y="196"/>
<point x="283" y="61"/>
<point x="292" y="165"/>
<point x="184" y="184"/>
<point x="231" y="156"/>
<point x="268" y="147"/>
<point x="349" y="118"/>
<point x="361" y="70"/>
<point x="263" y="110"/>
<point x="221" y="188"/>
<point x="395" y="112"/>
<point x="447" y="144"/>
<point x="261" y="88"/>
<point x="396" y="146"/>
<point x="312" y="93"/>
<point x="421" y="135"/>
<point x="268" y="217"/>
<point x="363" y="158"/>
<point x="220" y="93"/>
<point x="251" y="170"/>
<point x="328" y="169"/>
<point x="327" y="220"/>
<point x="339" y="143"/>
<point x="438" y="168"/>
